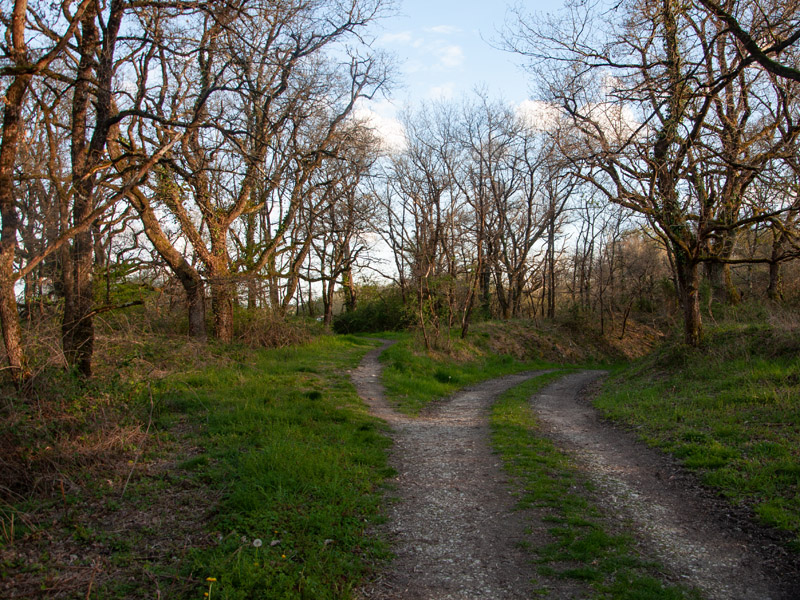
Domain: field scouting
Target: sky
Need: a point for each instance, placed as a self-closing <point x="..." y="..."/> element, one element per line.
<point x="444" y="50"/>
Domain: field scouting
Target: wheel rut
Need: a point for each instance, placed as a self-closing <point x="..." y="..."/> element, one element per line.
<point x="455" y="532"/>
<point x="705" y="542"/>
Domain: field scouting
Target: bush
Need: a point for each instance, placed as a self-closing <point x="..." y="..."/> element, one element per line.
<point x="384" y="312"/>
<point x="262" y="329"/>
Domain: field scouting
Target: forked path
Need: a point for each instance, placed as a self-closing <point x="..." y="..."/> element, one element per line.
<point x="453" y="528"/>
<point x="455" y="533"/>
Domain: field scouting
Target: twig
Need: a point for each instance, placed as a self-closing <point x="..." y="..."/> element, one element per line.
<point x="141" y="446"/>
<point x="155" y="581"/>
<point x="91" y="583"/>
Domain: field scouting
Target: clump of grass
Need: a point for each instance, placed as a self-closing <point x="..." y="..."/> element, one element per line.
<point x="728" y="410"/>
<point x="580" y="548"/>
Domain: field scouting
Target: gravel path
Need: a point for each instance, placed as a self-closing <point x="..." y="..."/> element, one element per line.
<point x="456" y="535"/>
<point x="702" y="539"/>
<point x="453" y="527"/>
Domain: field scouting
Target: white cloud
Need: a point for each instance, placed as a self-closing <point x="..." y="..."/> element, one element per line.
<point x="538" y="115"/>
<point x="445" y="91"/>
<point x="379" y="115"/>
<point x="450" y="57"/>
<point x="401" y="37"/>
<point x="444" y="29"/>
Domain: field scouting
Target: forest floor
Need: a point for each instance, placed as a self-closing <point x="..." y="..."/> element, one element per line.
<point x="458" y="532"/>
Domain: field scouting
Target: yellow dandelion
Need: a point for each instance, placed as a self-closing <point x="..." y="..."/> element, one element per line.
<point x="283" y="556"/>
<point x="211" y="579"/>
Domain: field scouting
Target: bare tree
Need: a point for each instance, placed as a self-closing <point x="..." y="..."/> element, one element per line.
<point x="23" y="65"/>
<point x="648" y="100"/>
<point x="766" y="29"/>
<point x="278" y="103"/>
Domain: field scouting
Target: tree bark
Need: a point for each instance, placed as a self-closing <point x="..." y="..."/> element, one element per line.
<point x="94" y="80"/>
<point x="9" y="315"/>
<point x="689" y="291"/>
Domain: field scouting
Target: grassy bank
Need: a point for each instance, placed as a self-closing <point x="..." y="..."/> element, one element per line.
<point x="413" y="379"/>
<point x="581" y="546"/>
<point x="730" y="410"/>
<point x="251" y="474"/>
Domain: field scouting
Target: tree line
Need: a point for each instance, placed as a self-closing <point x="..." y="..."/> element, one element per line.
<point x="219" y="142"/>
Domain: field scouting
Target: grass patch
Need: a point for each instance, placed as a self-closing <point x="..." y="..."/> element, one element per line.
<point x="729" y="410"/>
<point x="580" y="548"/>
<point x="299" y="464"/>
<point x="413" y="379"/>
<point x="260" y="469"/>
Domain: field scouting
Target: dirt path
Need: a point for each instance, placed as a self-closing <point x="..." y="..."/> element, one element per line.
<point x="696" y="534"/>
<point x="453" y="527"/>
<point x="455" y="533"/>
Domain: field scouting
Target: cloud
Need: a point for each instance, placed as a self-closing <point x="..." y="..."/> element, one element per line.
<point x="445" y="91"/>
<point x="401" y="37"/>
<point x="450" y="56"/>
<point x="379" y="116"/>
<point x="444" y="29"/>
<point x="538" y="115"/>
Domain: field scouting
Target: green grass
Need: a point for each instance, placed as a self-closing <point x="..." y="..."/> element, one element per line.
<point x="580" y="548"/>
<point x="730" y="410"/>
<point x="413" y="379"/>
<point x="298" y="464"/>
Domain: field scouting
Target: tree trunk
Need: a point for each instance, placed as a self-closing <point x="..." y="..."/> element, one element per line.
<point x="721" y="282"/>
<point x="252" y="293"/>
<point x="78" y="323"/>
<point x="775" y="288"/>
<point x="689" y="292"/>
<point x="93" y="82"/>
<point x="222" y="305"/>
<point x="9" y="318"/>
<point x="351" y="299"/>
<point x="550" y="270"/>
<point x="9" y="222"/>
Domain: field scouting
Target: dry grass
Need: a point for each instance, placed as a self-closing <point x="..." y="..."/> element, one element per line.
<point x="562" y="342"/>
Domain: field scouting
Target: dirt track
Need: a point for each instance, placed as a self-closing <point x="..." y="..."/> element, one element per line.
<point x="456" y="535"/>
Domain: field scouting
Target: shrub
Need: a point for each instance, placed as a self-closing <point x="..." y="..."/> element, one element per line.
<point x="384" y="312"/>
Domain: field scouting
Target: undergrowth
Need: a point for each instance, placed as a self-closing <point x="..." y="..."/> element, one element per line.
<point x="581" y="546"/>
<point x="257" y="468"/>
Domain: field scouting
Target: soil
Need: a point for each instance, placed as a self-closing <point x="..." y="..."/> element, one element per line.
<point x="455" y="532"/>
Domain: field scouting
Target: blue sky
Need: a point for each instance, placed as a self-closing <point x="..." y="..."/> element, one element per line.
<point x="444" y="50"/>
